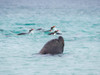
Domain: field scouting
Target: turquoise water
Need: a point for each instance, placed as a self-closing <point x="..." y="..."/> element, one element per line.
<point x="79" y="22"/>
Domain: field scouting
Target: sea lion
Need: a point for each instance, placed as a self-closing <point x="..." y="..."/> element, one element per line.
<point x="26" y="33"/>
<point x="54" y="46"/>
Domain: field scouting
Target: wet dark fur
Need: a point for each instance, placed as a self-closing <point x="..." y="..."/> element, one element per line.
<point x="54" y="46"/>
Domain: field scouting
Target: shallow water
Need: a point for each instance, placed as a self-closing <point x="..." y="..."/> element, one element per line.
<point x="79" y="22"/>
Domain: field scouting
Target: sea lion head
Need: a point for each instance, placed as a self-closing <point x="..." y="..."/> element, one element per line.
<point x="61" y="39"/>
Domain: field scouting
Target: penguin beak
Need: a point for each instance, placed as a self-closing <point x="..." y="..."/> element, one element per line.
<point x="53" y="26"/>
<point x="32" y="29"/>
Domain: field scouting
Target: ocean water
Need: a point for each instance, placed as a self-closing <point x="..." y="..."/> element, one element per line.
<point x="79" y="22"/>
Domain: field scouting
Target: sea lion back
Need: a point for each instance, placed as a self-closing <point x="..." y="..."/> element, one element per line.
<point x="54" y="46"/>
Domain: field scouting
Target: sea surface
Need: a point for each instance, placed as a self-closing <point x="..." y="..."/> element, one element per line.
<point x="79" y="22"/>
